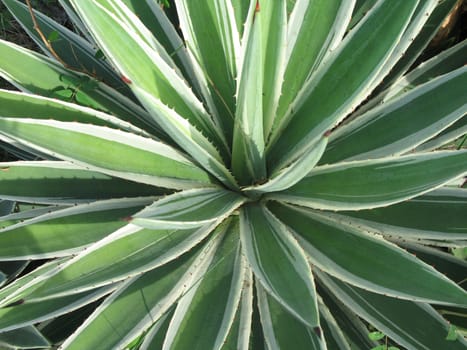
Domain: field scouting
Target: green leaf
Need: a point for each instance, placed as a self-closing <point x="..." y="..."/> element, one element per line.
<point x="375" y="183"/>
<point x="353" y="328"/>
<point x="361" y="8"/>
<point x="126" y="252"/>
<point x="17" y="290"/>
<point x="70" y="47"/>
<point x="32" y="72"/>
<point x="424" y="112"/>
<point x="190" y="139"/>
<point x="239" y="336"/>
<point x="118" y="32"/>
<point x="18" y="105"/>
<point x="326" y="99"/>
<point x="59" y="182"/>
<point x="366" y="260"/>
<point x="113" y="152"/>
<point x="209" y="307"/>
<point x="412" y="325"/>
<point x="66" y="231"/>
<point x="376" y="335"/>
<point x="189" y="209"/>
<point x="452" y="333"/>
<point x="28" y="313"/>
<point x="292" y="174"/>
<point x="314" y="28"/>
<point x="248" y="162"/>
<point x="274" y="46"/>
<point x="421" y="41"/>
<point x="24" y="338"/>
<point x="334" y="336"/>
<point x="154" y="339"/>
<point x="278" y="262"/>
<point x="435" y="215"/>
<point x="443" y="63"/>
<point x="139" y="302"/>
<point x="156" y="21"/>
<point x="452" y="133"/>
<point x="453" y="267"/>
<point x="282" y="330"/>
<point x="212" y="38"/>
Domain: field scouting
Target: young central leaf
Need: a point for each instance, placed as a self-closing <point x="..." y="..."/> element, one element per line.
<point x="248" y="161"/>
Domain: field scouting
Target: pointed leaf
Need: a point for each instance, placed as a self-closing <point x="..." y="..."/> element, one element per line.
<point x="274" y="45"/>
<point x="282" y="330"/>
<point x="209" y="307"/>
<point x="17" y="290"/>
<point x="29" y="313"/>
<point x="20" y="105"/>
<point x="413" y="325"/>
<point x="278" y="262"/>
<point x="452" y="133"/>
<point x="368" y="261"/>
<point x="188" y="209"/>
<point x="69" y="46"/>
<point x="316" y="112"/>
<point x="113" y="152"/>
<point x="24" y="338"/>
<point x="146" y="67"/>
<point x="62" y="182"/>
<point x="292" y="174"/>
<point x="375" y="183"/>
<point x="435" y="215"/>
<point x="424" y="112"/>
<point x="240" y="331"/>
<point x="313" y="26"/>
<point x="189" y="139"/>
<point x="126" y="252"/>
<point x="66" y="231"/>
<point x="248" y="162"/>
<point x="138" y="303"/>
<point x="35" y="73"/>
<point x="213" y="40"/>
<point x="421" y="41"/>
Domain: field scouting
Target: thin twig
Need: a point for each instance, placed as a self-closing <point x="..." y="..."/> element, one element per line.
<point x="44" y="39"/>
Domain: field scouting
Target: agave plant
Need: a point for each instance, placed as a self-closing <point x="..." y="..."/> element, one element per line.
<point x="238" y="174"/>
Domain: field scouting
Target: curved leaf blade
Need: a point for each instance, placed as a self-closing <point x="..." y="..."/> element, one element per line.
<point x="127" y="252"/>
<point x="282" y="330"/>
<point x="278" y="262"/>
<point x="313" y="28"/>
<point x="423" y="111"/>
<point x="209" y="27"/>
<point x="248" y="162"/>
<point x="413" y="325"/>
<point x="30" y="313"/>
<point x="367" y="261"/>
<point x="67" y="231"/>
<point x="437" y="215"/>
<point x="35" y="73"/>
<point x="210" y="306"/>
<point x="374" y="183"/>
<point x="114" y="152"/>
<point x="57" y="182"/>
<point x="146" y="68"/>
<point x="188" y="209"/>
<point x="139" y="303"/>
<point x="315" y="111"/>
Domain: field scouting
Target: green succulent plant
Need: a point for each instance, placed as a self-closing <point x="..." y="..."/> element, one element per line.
<point x="245" y="175"/>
